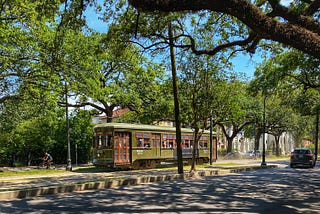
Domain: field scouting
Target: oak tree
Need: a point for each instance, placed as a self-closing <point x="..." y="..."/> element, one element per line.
<point x="296" y="25"/>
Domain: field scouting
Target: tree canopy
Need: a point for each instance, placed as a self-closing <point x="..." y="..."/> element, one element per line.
<point x="296" y="25"/>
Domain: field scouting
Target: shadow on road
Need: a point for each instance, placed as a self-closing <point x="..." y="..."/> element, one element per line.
<point x="282" y="190"/>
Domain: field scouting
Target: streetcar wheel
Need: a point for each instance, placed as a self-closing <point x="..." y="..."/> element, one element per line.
<point x="136" y="164"/>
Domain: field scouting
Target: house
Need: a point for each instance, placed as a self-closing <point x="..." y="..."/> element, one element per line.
<point x="116" y="114"/>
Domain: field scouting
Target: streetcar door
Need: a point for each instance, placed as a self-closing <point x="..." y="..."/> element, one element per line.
<point x="156" y="144"/>
<point x="122" y="148"/>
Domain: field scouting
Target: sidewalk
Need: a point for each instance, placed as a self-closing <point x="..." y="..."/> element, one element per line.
<point x="14" y="187"/>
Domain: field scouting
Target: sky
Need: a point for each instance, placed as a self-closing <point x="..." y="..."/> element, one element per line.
<point x="244" y="63"/>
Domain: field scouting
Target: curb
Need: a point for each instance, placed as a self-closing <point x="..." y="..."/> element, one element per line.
<point x="112" y="183"/>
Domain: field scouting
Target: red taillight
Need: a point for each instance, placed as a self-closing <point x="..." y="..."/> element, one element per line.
<point x="292" y="155"/>
<point x="309" y="155"/>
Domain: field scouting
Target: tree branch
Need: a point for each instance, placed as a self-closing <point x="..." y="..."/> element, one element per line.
<point x="252" y="38"/>
<point x="294" y="18"/>
<point x="303" y="36"/>
<point x="82" y="104"/>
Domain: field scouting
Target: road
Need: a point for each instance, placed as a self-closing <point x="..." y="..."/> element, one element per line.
<point x="280" y="190"/>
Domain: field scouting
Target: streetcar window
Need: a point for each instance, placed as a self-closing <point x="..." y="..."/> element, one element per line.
<point x="99" y="141"/>
<point x="168" y="144"/>
<point x="186" y="144"/>
<point x="169" y="141"/>
<point x="143" y="140"/>
<point x="108" y="141"/>
<point x="171" y="144"/>
<point x="186" y="141"/>
<point x="146" y="143"/>
<point x="165" y="144"/>
<point x="203" y="144"/>
<point x="139" y="142"/>
<point x="103" y="141"/>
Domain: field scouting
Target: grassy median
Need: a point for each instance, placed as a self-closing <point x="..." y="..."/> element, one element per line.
<point x="30" y="172"/>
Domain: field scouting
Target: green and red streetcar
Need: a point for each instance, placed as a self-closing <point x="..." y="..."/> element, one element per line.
<point x="136" y="146"/>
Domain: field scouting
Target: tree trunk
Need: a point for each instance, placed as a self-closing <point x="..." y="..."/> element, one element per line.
<point x="13" y="160"/>
<point x="109" y="114"/>
<point x="277" y="145"/>
<point x="176" y="102"/>
<point x="229" y="146"/>
<point x="29" y="158"/>
<point x="195" y="150"/>
<point x="257" y="140"/>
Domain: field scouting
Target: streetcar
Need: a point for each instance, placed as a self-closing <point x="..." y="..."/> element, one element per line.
<point x="137" y="146"/>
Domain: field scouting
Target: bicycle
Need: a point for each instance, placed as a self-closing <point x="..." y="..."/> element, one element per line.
<point x="44" y="165"/>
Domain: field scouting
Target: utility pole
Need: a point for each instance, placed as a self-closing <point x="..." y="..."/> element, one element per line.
<point x="69" y="166"/>
<point x="211" y="135"/>
<point x="263" y="163"/>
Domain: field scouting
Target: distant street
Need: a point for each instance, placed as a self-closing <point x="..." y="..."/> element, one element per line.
<point x="280" y="190"/>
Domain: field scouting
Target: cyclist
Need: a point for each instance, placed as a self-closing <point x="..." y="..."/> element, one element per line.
<point x="47" y="159"/>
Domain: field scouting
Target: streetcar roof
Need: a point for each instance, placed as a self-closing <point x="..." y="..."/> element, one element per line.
<point x="142" y="127"/>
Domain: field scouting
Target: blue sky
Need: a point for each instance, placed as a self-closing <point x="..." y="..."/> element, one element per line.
<point x="244" y="63"/>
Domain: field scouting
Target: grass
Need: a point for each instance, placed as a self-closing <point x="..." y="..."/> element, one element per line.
<point x="30" y="172"/>
<point x="225" y="164"/>
<point x="282" y="157"/>
<point x="91" y="169"/>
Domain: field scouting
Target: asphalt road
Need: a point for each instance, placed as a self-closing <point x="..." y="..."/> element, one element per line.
<point x="279" y="190"/>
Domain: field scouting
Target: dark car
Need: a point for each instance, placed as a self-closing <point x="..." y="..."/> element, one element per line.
<point x="302" y="157"/>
